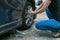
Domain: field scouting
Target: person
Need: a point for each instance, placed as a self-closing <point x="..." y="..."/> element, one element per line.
<point x="52" y="8"/>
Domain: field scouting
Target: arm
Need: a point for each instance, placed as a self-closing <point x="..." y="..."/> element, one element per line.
<point x="39" y="7"/>
<point x="43" y="7"/>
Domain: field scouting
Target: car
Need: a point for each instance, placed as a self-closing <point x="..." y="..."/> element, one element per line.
<point x="38" y="2"/>
<point x="14" y="14"/>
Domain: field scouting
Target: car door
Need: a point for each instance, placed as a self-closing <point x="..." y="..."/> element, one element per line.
<point x="10" y="18"/>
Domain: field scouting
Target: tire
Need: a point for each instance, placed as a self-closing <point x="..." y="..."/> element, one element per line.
<point x="27" y="18"/>
<point x="34" y="17"/>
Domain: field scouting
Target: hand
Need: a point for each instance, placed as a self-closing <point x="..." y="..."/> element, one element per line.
<point x="32" y="12"/>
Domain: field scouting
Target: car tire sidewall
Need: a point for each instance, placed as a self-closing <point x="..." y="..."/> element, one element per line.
<point x="24" y="26"/>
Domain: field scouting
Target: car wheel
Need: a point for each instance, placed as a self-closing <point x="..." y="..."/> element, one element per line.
<point x="27" y="17"/>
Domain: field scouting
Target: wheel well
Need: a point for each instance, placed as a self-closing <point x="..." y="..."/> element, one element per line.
<point x="31" y="1"/>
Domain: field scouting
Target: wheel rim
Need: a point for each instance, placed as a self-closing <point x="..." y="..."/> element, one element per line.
<point x="28" y="16"/>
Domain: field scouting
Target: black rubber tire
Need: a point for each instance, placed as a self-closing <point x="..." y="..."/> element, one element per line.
<point x="24" y="26"/>
<point x="34" y="17"/>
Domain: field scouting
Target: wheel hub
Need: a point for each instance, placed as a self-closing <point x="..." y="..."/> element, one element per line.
<point x="28" y="16"/>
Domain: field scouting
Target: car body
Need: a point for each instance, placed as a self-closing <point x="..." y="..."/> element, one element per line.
<point x="12" y="15"/>
<point x="38" y="2"/>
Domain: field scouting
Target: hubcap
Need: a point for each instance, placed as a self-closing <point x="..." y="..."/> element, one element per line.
<point x="28" y="16"/>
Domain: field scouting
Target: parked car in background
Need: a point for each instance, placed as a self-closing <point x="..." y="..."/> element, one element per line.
<point x="14" y="14"/>
<point x="38" y="2"/>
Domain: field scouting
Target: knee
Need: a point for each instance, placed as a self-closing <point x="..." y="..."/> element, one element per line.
<point x="37" y="25"/>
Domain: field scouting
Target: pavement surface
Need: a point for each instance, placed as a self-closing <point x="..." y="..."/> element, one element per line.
<point x="33" y="33"/>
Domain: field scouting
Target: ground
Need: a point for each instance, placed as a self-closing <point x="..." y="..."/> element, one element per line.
<point x="35" y="34"/>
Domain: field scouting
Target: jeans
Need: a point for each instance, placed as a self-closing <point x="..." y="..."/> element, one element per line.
<point x="51" y="24"/>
